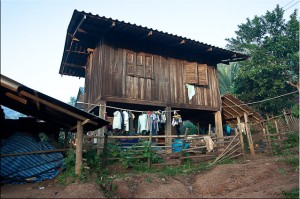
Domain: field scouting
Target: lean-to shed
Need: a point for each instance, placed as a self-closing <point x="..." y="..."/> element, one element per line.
<point x="130" y="66"/>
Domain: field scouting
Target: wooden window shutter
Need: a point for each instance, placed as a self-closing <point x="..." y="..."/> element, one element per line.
<point x="202" y="74"/>
<point x="191" y="75"/>
<point x="130" y="63"/>
<point x="149" y="66"/>
<point x="140" y="68"/>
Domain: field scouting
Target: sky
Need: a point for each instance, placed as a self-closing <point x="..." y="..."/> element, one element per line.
<point x="33" y="32"/>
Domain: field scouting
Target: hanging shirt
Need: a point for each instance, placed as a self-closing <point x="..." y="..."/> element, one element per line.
<point x="154" y="124"/>
<point x="176" y="120"/>
<point x="191" y="91"/>
<point x="142" y="123"/>
<point x="126" y="120"/>
<point x="163" y="118"/>
<point x="117" y="120"/>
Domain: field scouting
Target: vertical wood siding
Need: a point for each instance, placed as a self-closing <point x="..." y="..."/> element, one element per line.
<point x="107" y="76"/>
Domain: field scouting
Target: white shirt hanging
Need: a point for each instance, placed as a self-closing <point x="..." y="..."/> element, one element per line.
<point x="117" y="120"/>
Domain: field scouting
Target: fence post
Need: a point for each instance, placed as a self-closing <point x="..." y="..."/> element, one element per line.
<point x="266" y="139"/>
<point x="241" y="142"/>
<point x="286" y="120"/>
<point x="150" y="142"/>
<point x="269" y="139"/>
<point x="183" y="144"/>
<point x="105" y="149"/>
<point x="241" y="134"/>
<point x="249" y="136"/>
<point x="209" y="129"/>
<point x="279" y="134"/>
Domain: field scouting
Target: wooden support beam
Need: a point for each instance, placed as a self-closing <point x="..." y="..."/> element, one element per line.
<point x="16" y="98"/>
<point x="239" y="106"/>
<point x="168" y="128"/>
<point x="73" y="65"/>
<point x="249" y="136"/>
<point x="78" y="52"/>
<point x="55" y="107"/>
<point x="101" y="131"/>
<point x="79" y="141"/>
<point x="231" y="108"/>
<point x="218" y="125"/>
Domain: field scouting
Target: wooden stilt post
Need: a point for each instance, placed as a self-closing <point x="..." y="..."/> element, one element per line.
<point x="219" y="127"/>
<point x="101" y="131"/>
<point x="249" y="136"/>
<point x="79" y="141"/>
<point x="168" y="129"/>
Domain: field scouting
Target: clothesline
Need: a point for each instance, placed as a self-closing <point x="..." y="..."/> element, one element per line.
<point x="112" y="107"/>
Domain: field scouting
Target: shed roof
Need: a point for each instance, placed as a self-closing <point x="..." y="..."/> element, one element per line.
<point x="31" y="102"/>
<point x="233" y="108"/>
<point x="85" y="30"/>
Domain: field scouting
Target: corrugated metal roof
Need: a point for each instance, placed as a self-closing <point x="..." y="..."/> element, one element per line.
<point x="85" y="30"/>
<point x="30" y="102"/>
<point x="233" y="108"/>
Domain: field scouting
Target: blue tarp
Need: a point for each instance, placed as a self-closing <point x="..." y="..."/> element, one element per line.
<point x="177" y="145"/>
<point x="28" y="168"/>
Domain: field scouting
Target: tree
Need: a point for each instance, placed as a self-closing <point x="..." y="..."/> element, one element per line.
<point x="225" y="77"/>
<point x="273" y="47"/>
<point x="72" y="101"/>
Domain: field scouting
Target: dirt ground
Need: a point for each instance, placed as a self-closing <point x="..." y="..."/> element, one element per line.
<point x="258" y="177"/>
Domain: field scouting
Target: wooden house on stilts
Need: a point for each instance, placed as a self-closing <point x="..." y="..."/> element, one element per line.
<point x="135" y="67"/>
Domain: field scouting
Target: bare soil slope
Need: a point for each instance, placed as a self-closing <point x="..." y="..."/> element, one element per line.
<point x="259" y="177"/>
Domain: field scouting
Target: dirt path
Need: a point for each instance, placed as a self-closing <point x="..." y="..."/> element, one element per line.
<point x="261" y="177"/>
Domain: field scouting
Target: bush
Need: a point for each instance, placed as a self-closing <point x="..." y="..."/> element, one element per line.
<point x="295" y="110"/>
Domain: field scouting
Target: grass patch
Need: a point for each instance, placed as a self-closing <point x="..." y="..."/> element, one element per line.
<point x="294" y="193"/>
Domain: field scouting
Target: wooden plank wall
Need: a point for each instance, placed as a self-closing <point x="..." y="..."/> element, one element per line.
<point x="107" y="76"/>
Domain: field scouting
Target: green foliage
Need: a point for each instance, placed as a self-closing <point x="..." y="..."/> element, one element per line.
<point x="273" y="46"/>
<point x="295" y="110"/>
<point x="294" y="193"/>
<point x="69" y="172"/>
<point x="128" y="157"/>
<point x="292" y="160"/>
<point x="225" y="77"/>
<point x="292" y="141"/>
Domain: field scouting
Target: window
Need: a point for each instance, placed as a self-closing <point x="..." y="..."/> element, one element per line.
<point x="130" y="63"/>
<point x="139" y="65"/>
<point x="196" y="73"/>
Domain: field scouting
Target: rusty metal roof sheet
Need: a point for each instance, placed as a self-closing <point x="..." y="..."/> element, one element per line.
<point x="31" y="102"/>
<point x="85" y="30"/>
